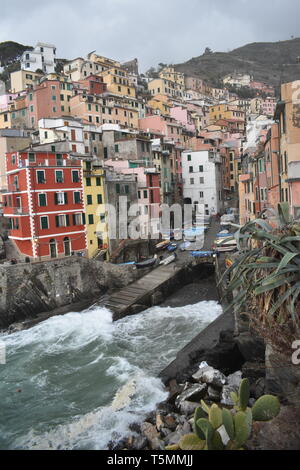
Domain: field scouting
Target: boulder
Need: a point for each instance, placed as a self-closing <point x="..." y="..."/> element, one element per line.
<point x="184" y="427"/>
<point x="234" y="379"/>
<point x="171" y="422"/>
<point x="139" y="443"/>
<point x="187" y="408"/>
<point x="159" y="421"/>
<point x="213" y="393"/>
<point x="254" y="371"/>
<point x="259" y="388"/>
<point x="174" y="437"/>
<point x="210" y="376"/>
<point x="233" y="385"/>
<point x="225" y="395"/>
<point x="251" y="347"/>
<point x="174" y="391"/>
<point x="194" y="393"/>
<point x="282" y="433"/>
<point x="152" y="435"/>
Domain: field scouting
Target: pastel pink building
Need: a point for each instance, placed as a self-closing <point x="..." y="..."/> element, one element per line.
<point x="182" y="115"/>
<point x="166" y="126"/>
<point x="8" y="99"/>
<point x="268" y="106"/>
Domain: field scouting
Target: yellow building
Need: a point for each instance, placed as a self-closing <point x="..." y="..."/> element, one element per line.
<point x="95" y="209"/>
<point x="118" y="82"/>
<point x="21" y="80"/>
<point x="105" y="62"/>
<point x="161" y="86"/>
<point x="225" y="111"/>
<point x="160" y="102"/>
<point x="169" y="73"/>
<point x="6" y="119"/>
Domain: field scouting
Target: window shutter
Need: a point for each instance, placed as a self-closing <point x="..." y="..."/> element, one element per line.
<point x="56" y="198"/>
<point x="74" y="219"/>
<point x="57" y="220"/>
<point x="66" y="198"/>
<point x="67" y="220"/>
<point x="83" y="218"/>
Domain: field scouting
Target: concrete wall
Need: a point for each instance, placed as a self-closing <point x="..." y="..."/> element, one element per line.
<point x="29" y="289"/>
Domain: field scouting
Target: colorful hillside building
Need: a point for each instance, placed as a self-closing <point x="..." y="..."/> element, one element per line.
<point x="44" y="203"/>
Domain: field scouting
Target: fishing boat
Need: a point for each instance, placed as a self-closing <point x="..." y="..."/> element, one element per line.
<point x="202" y="254"/>
<point x="172" y="247"/>
<point x="222" y="245"/>
<point x="168" y="260"/>
<point x="147" y="263"/>
<point x="163" y="245"/>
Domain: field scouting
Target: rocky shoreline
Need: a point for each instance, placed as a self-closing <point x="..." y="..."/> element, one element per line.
<point x="212" y="379"/>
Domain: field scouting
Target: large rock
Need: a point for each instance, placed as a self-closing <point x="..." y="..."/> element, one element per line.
<point x="234" y="379"/>
<point x="254" y="371"/>
<point x="282" y="376"/>
<point x="213" y="393"/>
<point x="188" y="408"/>
<point x="194" y="393"/>
<point x="152" y="435"/>
<point x="174" y="391"/>
<point x="174" y="437"/>
<point x="233" y="385"/>
<point x="251" y="347"/>
<point x="282" y="433"/>
<point x="139" y="443"/>
<point x="171" y="421"/>
<point x="225" y="356"/>
<point x="226" y="395"/>
<point x="210" y="376"/>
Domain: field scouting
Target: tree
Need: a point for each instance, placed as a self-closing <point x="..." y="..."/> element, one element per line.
<point x="152" y="73"/>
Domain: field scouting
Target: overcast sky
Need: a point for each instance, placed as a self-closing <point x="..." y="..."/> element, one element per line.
<point x="154" y="31"/>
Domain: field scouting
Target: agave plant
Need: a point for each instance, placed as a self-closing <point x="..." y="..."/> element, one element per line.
<point x="265" y="277"/>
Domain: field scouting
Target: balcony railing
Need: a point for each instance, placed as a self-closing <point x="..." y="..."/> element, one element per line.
<point x="48" y="163"/>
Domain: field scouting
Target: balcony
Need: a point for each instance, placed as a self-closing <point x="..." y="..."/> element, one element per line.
<point x="49" y="162"/>
<point x="30" y="59"/>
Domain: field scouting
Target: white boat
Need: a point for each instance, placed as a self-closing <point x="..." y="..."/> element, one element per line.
<point x="168" y="260"/>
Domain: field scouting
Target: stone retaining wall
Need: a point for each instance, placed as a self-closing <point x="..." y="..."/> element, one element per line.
<point x="29" y="289"/>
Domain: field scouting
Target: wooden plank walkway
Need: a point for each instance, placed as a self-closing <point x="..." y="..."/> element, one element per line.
<point x="140" y="292"/>
<point x="161" y="279"/>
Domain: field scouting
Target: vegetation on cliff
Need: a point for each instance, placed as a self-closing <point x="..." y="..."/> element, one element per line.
<point x="271" y="62"/>
<point x="265" y="278"/>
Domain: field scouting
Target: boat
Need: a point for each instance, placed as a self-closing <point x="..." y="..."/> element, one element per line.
<point x="168" y="260"/>
<point x="127" y="264"/>
<point x="224" y="235"/>
<point x="163" y="245"/>
<point x="184" y="246"/>
<point x="172" y="247"/>
<point x="222" y="245"/>
<point x="147" y="263"/>
<point x="202" y="254"/>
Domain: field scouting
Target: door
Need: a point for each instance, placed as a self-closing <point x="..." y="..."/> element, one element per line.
<point x="67" y="246"/>
<point x="52" y="244"/>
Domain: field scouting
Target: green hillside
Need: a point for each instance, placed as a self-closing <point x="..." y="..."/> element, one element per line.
<point x="272" y="62"/>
